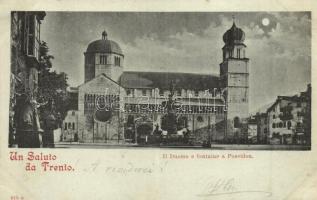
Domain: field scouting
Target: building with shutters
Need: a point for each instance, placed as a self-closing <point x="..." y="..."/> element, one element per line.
<point x="289" y="119"/>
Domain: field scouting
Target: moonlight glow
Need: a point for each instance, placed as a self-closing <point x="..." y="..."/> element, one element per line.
<point x="265" y="21"/>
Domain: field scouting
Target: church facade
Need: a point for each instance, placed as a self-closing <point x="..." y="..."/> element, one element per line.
<point x="118" y="106"/>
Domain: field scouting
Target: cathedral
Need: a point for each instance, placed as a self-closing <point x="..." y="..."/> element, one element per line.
<point x="117" y="106"/>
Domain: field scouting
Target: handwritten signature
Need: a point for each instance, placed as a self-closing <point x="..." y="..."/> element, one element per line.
<point x="225" y="186"/>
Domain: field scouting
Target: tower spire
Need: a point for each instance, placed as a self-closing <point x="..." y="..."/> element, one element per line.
<point x="233" y="19"/>
<point x="104" y="35"/>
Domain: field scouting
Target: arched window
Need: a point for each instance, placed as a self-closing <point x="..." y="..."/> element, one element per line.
<point x="117" y="61"/>
<point x="144" y="92"/>
<point x="69" y="125"/>
<point x="182" y="122"/>
<point x="238" y="53"/>
<point x="236" y="122"/>
<point x="273" y="125"/>
<point x="73" y="126"/>
<point x="65" y="126"/>
<point x="196" y="93"/>
<point x="280" y="125"/>
<point x="103" y="59"/>
<point x="161" y="92"/>
<point x="289" y="124"/>
<point x="130" y="120"/>
<point x="128" y="92"/>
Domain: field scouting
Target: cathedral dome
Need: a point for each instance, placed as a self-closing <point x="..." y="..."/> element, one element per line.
<point x="104" y="46"/>
<point x="234" y="35"/>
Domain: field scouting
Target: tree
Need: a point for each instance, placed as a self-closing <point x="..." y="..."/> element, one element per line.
<point x="52" y="88"/>
<point x="45" y="57"/>
<point x="51" y="85"/>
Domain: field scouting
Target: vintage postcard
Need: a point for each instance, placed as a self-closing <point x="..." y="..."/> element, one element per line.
<point x="149" y="103"/>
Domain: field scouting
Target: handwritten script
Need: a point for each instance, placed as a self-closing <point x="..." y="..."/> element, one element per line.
<point x="225" y="186"/>
<point x="125" y="168"/>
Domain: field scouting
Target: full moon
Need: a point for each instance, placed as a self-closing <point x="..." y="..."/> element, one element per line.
<point x="265" y="21"/>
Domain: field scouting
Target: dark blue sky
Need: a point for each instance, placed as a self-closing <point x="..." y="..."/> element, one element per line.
<point x="279" y="52"/>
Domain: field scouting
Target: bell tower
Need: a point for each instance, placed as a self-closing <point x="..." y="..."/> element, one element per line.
<point x="103" y="56"/>
<point x="234" y="75"/>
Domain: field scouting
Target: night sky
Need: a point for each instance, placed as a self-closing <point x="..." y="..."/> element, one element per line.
<point x="278" y="45"/>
